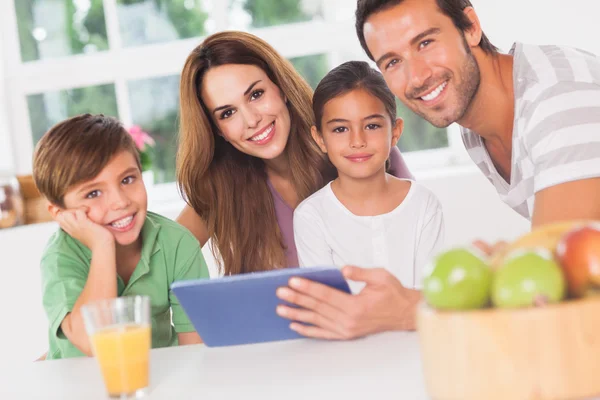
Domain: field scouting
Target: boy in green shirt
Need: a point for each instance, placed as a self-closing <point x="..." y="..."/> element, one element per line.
<point x="109" y="245"/>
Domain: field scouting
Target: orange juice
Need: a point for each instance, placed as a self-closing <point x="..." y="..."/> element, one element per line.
<point x="123" y="355"/>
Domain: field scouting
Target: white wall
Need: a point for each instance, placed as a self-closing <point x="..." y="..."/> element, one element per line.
<point x="572" y="22"/>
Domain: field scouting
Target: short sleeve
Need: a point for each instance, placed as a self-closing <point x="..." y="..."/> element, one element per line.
<point x="562" y="134"/>
<point x="309" y="235"/>
<point x="63" y="279"/>
<point x="189" y="264"/>
<point x="431" y="239"/>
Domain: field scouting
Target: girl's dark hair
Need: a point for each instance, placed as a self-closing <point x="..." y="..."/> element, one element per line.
<point x="349" y="76"/>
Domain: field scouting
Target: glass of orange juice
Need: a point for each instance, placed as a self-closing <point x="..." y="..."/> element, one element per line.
<point x="120" y="334"/>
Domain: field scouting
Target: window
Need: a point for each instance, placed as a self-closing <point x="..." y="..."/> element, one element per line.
<point x="155" y="102"/>
<point x="47" y="109"/>
<point x="154" y="21"/>
<point x="419" y="134"/>
<point x="312" y="68"/>
<point x="248" y="14"/>
<point x="50" y="29"/>
<point x="123" y="58"/>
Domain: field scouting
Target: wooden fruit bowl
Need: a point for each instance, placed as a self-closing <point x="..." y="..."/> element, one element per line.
<point x="551" y="352"/>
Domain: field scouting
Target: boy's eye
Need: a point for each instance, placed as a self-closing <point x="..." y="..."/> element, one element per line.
<point x="128" y="180"/>
<point x="257" y="94"/>
<point x="373" y="126"/>
<point x="226" y="114"/>
<point x="93" y="194"/>
<point x="340" y="129"/>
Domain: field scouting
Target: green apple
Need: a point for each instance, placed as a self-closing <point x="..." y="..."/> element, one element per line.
<point x="457" y="280"/>
<point x="528" y="277"/>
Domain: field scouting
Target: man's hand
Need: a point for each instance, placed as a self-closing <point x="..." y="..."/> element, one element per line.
<point x="383" y="305"/>
<point x="77" y="224"/>
<point x="490" y="249"/>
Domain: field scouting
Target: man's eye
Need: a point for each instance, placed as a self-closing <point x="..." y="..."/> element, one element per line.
<point x="425" y="43"/>
<point x="392" y="63"/>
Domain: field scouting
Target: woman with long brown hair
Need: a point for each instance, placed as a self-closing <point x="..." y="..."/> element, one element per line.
<point x="246" y="158"/>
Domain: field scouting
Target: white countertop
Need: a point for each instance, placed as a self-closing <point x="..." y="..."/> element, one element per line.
<point x="384" y="366"/>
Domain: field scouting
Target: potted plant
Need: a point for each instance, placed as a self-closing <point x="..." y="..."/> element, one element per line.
<point x="145" y="145"/>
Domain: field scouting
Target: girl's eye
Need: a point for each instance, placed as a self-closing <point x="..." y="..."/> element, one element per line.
<point x="340" y="129"/>
<point x="226" y="114"/>
<point x="373" y="126"/>
<point x="93" y="194"/>
<point x="257" y="94"/>
<point x="128" y="180"/>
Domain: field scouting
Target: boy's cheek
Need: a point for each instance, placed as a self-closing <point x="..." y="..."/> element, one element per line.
<point x="95" y="217"/>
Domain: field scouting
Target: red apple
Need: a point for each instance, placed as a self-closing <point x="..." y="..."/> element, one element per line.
<point x="578" y="252"/>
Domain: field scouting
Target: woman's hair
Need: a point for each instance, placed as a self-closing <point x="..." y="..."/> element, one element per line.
<point x="347" y="77"/>
<point x="227" y="188"/>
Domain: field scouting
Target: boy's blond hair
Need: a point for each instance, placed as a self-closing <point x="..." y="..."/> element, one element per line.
<point x="75" y="151"/>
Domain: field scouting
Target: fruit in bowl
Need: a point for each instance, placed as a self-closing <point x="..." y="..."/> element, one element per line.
<point x="547" y="265"/>
<point x="578" y="252"/>
<point x="529" y="277"/>
<point x="547" y="236"/>
<point x="458" y="279"/>
<point x="527" y="342"/>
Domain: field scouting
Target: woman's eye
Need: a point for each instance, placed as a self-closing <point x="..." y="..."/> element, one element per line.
<point x="257" y="94"/>
<point x="373" y="126"/>
<point x="226" y="114"/>
<point x="93" y="194"/>
<point x="340" y="129"/>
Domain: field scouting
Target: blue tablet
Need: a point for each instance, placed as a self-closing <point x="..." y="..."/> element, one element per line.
<point x="240" y="309"/>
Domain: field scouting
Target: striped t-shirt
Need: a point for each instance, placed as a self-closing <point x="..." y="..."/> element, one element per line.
<point x="556" y="129"/>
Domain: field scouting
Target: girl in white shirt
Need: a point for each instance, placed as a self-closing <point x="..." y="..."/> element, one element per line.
<point x="365" y="217"/>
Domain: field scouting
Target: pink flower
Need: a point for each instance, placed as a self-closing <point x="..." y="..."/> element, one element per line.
<point x="140" y="138"/>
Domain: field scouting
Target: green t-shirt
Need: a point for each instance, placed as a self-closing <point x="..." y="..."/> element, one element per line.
<point x="169" y="253"/>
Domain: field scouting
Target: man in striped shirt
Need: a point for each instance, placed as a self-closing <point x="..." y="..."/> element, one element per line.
<point x="530" y="120"/>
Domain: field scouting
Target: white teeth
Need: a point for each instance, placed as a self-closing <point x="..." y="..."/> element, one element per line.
<point x="433" y="95"/>
<point x="263" y="135"/>
<point x="122" y="223"/>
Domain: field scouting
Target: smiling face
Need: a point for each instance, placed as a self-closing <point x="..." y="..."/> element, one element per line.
<point x="248" y="109"/>
<point x="425" y="60"/>
<point x="357" y="134"/>
<point x="116" y="198"/>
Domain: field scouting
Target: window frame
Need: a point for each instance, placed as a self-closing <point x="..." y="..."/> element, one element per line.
<point x="119" y="64"/>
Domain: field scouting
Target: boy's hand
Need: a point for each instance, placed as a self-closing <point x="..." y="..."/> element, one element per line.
<point x="77" y="224"/>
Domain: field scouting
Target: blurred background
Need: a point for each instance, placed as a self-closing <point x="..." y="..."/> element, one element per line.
<point x="123" y="58"/>
<point x="60" y="58"/>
